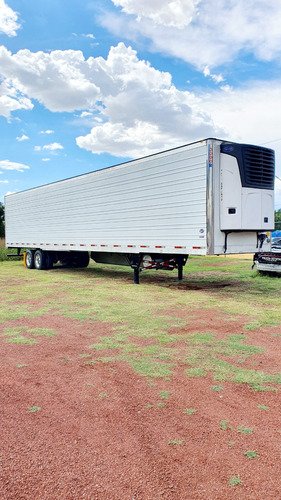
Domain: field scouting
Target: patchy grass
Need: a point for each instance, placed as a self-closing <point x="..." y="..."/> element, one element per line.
<point x="15" y="335"/>
<point x="143" y="313"/>
<point x="20" y="339"/>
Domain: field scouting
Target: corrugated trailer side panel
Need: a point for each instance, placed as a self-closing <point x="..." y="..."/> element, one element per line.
<point x="157" y="202"/>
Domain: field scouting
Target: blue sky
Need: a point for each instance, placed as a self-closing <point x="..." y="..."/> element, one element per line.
<point x="85" y="85"/>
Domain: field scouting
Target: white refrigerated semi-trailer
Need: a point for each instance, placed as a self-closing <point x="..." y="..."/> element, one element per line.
<point x="205" y="198"/>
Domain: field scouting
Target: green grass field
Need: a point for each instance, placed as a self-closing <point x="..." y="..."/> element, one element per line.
<point x="157" y="311"/>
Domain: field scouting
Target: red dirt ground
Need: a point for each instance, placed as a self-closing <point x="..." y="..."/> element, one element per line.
<point x="100" y="434"/>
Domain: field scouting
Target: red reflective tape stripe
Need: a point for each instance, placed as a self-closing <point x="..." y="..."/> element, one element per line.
<point x="196" y="248"/>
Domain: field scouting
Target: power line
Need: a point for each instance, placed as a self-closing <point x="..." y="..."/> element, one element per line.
<point x="268" y="142"/>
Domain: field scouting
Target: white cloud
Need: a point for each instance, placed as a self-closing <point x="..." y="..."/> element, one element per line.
<point x="249" y="113"/>
<point x="47" y="132"/>
<point x="10" y="192"/>
<point x="4" y="182"/>
<point x="89" y="35"/>
<point x="45" y="159"/>
<point x="123" y="90"/>
<point x="12" y="100"/>
<point x="9" y="165"/>
<point x="143" y="111"/>
<point x="133" y="108"/>
<point x="214" y="32"/>
<point x="8" y="20"/>
<point x="58" y="80"/>
<point x="141" y="138"/>
<point x="216" y="78"/>
<point x="49" y="147"/>
<point x="53" y="147"/>
<point x="22" y="138"/>
<point x="86" y="114"/>
<point x="177" y="13"/>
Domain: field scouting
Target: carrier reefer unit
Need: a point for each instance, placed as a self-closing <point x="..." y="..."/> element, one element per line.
<point x="205" y="198"/>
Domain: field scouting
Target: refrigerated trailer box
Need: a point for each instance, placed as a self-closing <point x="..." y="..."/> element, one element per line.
<point x="210" y="197"/>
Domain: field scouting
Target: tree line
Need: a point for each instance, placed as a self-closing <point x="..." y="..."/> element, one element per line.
<point x="2" y="220"/>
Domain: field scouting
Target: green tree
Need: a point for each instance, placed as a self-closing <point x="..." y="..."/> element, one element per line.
<point x="2" y="218"/>
<point x="277" y="218"/>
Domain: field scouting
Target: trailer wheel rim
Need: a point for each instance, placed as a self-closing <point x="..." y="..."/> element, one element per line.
<point x="37" y="260"/>
<point x="28" y="259"/>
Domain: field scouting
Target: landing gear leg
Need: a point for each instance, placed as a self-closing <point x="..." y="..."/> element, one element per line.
<point x="181" y="261"/>
<point x="180" y="268"/>
<point x="135" y="262"/>
<point x="136" y="276"/>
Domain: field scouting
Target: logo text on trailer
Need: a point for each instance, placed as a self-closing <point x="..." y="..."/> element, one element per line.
<point x="210" y="155"/>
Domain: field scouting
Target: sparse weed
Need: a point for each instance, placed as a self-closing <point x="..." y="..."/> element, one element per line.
<point x="175" y="442"/>
<point x="189" y="411"/>
<point x="164" y="394"/>
<point x="250" y="454"/>
<point x="235" y="480"/>
<point x="225" y="425"/>
<point x="245" y="430"/>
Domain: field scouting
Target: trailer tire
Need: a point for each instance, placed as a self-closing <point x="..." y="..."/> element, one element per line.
<point x="40" y="260"/>
<point x="29" y="259"/>
<point x="49" y="260"/>
<point x="83" y="259"/>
